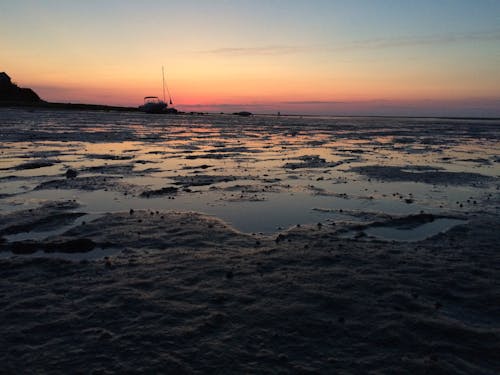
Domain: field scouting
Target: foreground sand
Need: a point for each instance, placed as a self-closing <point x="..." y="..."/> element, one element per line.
<point x="188" y="294"/>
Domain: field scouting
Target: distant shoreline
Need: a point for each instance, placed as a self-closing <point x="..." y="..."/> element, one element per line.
<point x="68" y="106"/>
<point x="383" y="116"/>
<point x="103" y="107"/>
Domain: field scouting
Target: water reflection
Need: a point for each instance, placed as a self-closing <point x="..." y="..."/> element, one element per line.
<point x="277" y="171"/>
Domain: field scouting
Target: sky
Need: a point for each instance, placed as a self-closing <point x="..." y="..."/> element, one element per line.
<point x="327" y="57"/>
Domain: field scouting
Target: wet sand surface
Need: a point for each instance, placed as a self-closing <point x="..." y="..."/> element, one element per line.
<point x="198" y="244"/>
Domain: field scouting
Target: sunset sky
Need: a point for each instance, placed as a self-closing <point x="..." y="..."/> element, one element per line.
<point x="354" y="57"/>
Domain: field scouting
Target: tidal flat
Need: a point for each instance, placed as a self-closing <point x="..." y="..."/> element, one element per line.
<point x="264" y="244"/>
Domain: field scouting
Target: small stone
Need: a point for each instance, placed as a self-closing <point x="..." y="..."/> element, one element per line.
<point x="71" y="173"/>
<point x="280" y="238"/>
<point x="131" y="212"/>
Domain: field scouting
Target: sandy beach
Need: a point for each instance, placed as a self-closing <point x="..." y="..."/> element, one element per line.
<point x="221" y="244"/>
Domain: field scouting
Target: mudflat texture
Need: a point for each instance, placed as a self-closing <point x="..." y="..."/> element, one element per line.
<point x="191" y="295"/>
<point x="222" y="244"/>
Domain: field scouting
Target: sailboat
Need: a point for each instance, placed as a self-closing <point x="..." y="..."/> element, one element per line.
<point x="153" y="104"/>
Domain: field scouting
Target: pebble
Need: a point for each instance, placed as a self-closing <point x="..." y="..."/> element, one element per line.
<point x="71" y="173"/>
<point x="280" y="238"/>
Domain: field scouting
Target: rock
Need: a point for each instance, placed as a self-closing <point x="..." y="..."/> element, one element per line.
<point x="280" y="238"/>
<point x="243" y="113"/>
<point x="160" y="192"/>
<point x="71" y="173"/>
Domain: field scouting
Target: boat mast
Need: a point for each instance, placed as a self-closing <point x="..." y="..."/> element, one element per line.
<point x="164" y="85"/>
<point x="163" y="76"/>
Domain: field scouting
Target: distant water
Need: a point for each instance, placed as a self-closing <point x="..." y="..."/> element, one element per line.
<point x="260" y="174"/>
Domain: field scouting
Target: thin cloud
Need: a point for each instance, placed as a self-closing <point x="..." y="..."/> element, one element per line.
<point x="376" y="43"/>
<point x="262" y="50"/>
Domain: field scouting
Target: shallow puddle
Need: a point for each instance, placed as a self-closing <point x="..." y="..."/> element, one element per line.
<point x="36" y="235"/>
<point x="260" y="174"/>
<point x="418" y="233"/>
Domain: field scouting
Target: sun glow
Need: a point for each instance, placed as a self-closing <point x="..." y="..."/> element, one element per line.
<point x="309" y="56"/>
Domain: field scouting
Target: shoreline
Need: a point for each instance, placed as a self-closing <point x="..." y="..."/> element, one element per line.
<point x="67" y="106"/>
<point x="104" y="107"/>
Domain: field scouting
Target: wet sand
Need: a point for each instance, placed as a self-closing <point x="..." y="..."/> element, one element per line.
<point x="146" y="286"/>
<point x="189" y="294"/>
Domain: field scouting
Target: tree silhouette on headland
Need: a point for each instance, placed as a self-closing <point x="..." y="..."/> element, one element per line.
<point x="10" y="92"/>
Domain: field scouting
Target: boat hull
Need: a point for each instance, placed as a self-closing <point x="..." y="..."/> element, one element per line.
<point x="153" y="107"/>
